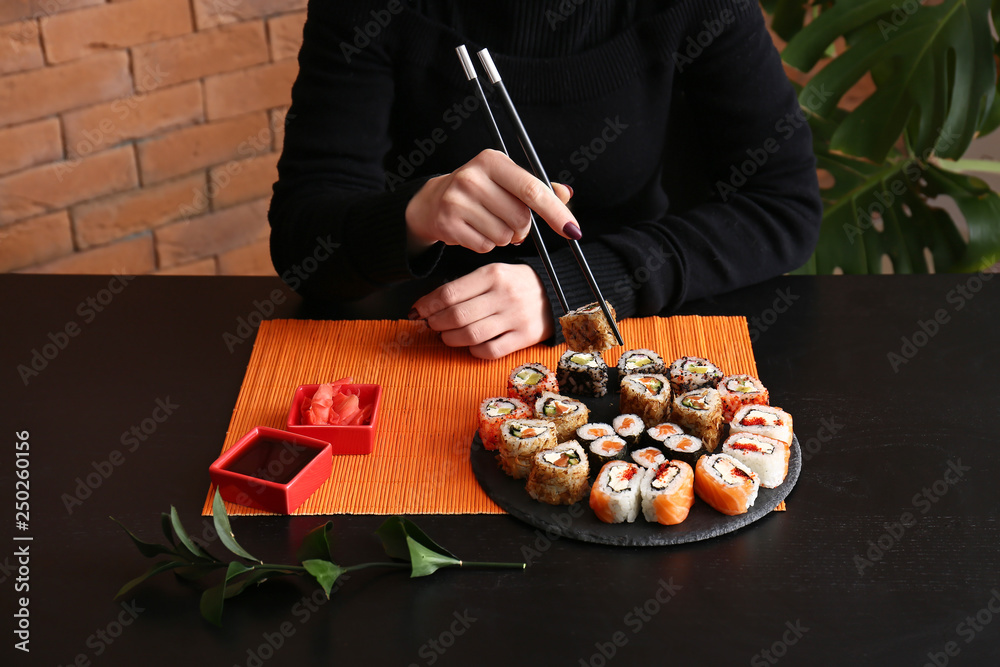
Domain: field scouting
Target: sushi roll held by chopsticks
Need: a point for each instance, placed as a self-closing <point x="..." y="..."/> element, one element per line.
<point x="587" y="330"/>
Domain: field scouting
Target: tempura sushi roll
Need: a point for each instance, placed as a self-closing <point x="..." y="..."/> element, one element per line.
<point x="587" y="330"/>
<point x="493" y="412"/>
<point x="566" y="413"/>
<point x="765" y="420"/>
<point x="587" y="433"/>
<point x="648" y="457"/>
<point x="639" y="361"/>
<point x="765" y="456"/>
<point x="726" y="484"/>
<point x="583" y="373"/>
<point x="667" y="492"/>
<point x="519" y="440"/>
<point x="629" y="427"/>
<point x="602" y="450"/>
<point x="689" y="373"/>
<point x="647" y="396"/>
<point x="559" y="475"/>
<point x="528" y="381"/>
<point x="615" y="494"/>
<point x="700" y="413"/>
<point x="655" y="435"/>
<point x="683" y="447"/>
<point x="739" y="390"/>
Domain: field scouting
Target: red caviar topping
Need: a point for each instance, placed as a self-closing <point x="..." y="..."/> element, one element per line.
<point x="628" y="474"/>
<point x="755" y="421"/>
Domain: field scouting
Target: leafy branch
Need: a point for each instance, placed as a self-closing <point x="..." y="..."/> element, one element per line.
<point x="409" y="546"/>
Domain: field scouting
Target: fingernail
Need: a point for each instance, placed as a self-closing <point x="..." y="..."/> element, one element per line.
<point x="414" y="314"/>
<point x="573" y="231"/>
<point x="570" y="188"/>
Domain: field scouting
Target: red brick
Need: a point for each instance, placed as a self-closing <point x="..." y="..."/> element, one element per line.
<point x="72" y="35"/>
<point x="191" y="148"/>
<point x="285" y="34"/>
<point x="254" y="89"/>
<point x="210" y="13"/>
<point x="202" y="54"/>
<point x="36" y="240"/>
<point x="103" y="220"/>
<point x="242" y="181"/>
<point x="45" y="91"/>
<point x="203" y="267"/>
<point x="212" y="234"/>
<point x="19" y="47"/>
<point x="137" y="116"/>
<point x="278" y="119"/>
<point x="26" y="145"/>
<point x="61" y="184"/>
<point x="130" y="257"/>
<point x="250" y="260"/>
<point x="16" y="10"/>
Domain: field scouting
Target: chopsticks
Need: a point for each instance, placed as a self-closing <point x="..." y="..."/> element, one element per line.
<point x="536" y="166"/>
<point x="536" y="235"/>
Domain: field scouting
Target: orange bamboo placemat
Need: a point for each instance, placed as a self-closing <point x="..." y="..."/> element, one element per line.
<point x="430" y="400"/>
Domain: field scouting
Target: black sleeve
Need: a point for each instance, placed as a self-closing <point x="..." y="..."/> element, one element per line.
<point x="331" y="190"/>
<point x="755" y="210"/>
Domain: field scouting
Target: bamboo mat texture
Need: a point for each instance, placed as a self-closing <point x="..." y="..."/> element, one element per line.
<point x="430" y="401"/>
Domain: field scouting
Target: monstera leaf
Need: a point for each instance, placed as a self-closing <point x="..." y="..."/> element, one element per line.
<point x="936" y="89"/>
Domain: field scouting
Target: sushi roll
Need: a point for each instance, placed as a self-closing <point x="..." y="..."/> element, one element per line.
<point x="667" y="492"/>
<point x="683" y="447"/>
<point x="559" y="475"/>
<point x="726" y="484"/>
<point x="639" y="361"/>
<point x="629" y="427"/>
<point x="739" y="390"/>
<point x="615" y="496"/>
<point x="765" y="420"/>
<point x="647" y="396"/>
<point x="648" y="457"/>
<point x="689" y="373"/>
<point x="583" y="373"/>
<point x="700" y="413"/>
<point x="655" y="435"/>
<point x="519" y="440"/>
<point x="493" y="412"/>
<point x="587" y="433"/>
<point x="608" y="448"/>
<point x="528" y="381"/>
<point x="765" y="456"/>
<point x="586" y="329"/>
<point x="566" y="413"/>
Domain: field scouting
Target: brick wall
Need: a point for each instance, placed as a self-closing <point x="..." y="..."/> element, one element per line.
<point x="141" y="136"/>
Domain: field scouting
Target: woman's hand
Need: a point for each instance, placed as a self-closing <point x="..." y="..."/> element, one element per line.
<point x="484" y="204"/>
<point x="495" y="310"/>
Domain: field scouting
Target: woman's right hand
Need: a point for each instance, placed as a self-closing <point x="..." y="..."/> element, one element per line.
<point x="484" y="204"/>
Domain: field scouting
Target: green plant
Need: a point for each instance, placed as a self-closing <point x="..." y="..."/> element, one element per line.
<point x="936" y="89"/>
<point x="409" y="547"/>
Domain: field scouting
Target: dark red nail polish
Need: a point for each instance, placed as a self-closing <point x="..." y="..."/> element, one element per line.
<point x="570" y="191"/>
<point x="573" y="231"/>
<point x="414" y="314"/>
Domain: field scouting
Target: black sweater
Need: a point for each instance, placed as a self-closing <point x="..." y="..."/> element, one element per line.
<point x="673" y="122"/>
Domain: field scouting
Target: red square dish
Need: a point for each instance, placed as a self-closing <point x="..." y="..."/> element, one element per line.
<point x="343" y="439"/>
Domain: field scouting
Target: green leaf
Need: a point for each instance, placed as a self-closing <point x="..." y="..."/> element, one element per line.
<point x="325" y="572"/>
<point x="156" y="568"/>
<point x="167" y="529"/>
<point x="147" y="549"/>
<point x="213" y="598"/>
<point x="225" y="531"/>
<point x="258" y="576"/>
<point x="394" y="532"/>
<point x="935" y="72"/>
<point x="425" y="560"/>
<point x="198" y="571"/>
<point x="980" y="207"/>
<point x="316" y="544"/>
<point x="175" y="522"/>
<point x="788" y="16"/>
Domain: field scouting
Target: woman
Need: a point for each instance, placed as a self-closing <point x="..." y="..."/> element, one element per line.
<point x="669" y="126"/>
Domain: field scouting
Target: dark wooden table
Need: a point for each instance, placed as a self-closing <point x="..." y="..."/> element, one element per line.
<point x="889" y="553"/>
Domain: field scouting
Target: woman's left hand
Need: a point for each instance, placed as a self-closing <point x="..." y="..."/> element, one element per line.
<point x="495" y="310"/>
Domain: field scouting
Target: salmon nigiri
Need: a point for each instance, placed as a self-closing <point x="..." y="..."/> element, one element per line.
<point x="725" y="483"/>
<point x="668" y="492"/>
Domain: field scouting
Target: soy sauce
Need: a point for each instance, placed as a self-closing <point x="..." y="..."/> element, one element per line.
<point x="276" y="461"/>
